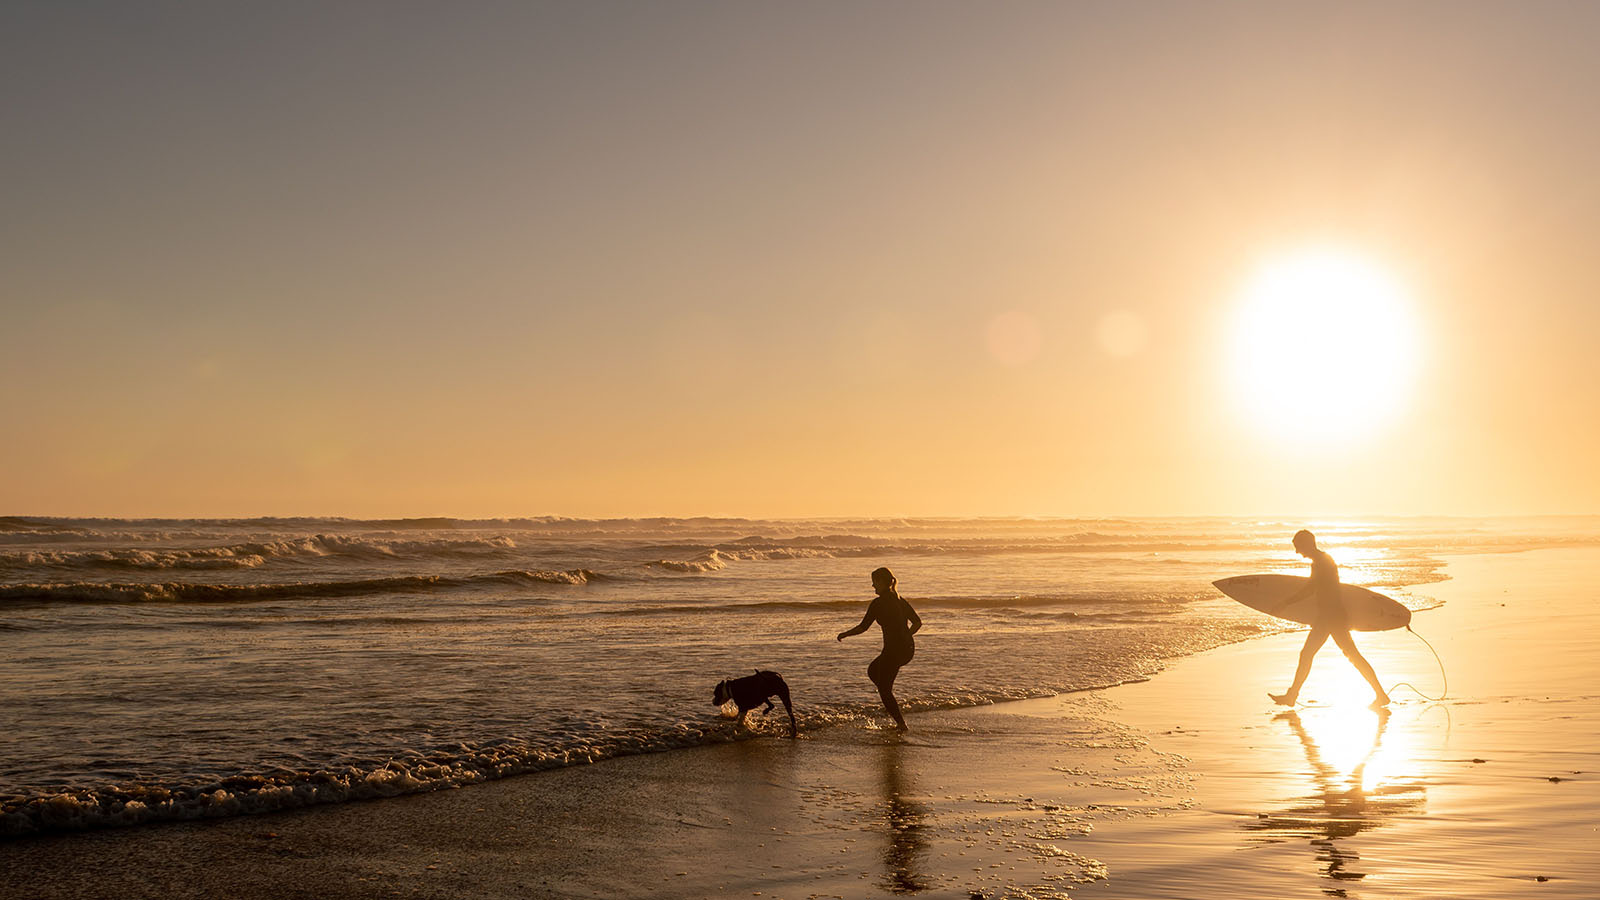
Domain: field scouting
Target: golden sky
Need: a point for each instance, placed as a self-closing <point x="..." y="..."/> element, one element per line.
<point x="888" y="259"/>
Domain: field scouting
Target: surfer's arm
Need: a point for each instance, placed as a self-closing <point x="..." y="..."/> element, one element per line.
<point x="866" y="622"/>
<point x="916" y="620"/>
<point x="1302" y="593"/>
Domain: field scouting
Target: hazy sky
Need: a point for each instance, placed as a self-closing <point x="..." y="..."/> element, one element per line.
<point x="919" y="258"/>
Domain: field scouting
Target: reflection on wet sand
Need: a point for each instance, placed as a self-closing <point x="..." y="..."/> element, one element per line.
<point x="1344" y="804"/>
<point x="903" y="821"/>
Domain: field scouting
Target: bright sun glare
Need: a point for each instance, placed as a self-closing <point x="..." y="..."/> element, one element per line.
<point x="1324" y="347"/>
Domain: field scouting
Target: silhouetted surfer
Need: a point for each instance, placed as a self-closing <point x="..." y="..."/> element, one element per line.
<point x="899" y="622"/>
<point x="1330" y="622"/>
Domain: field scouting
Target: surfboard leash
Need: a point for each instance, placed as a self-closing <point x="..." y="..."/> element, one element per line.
<point x="1442" y="674"/>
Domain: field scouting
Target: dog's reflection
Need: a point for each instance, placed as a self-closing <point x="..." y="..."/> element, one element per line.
<point x="903" y="822"/>
<point x="1342" y="806"/>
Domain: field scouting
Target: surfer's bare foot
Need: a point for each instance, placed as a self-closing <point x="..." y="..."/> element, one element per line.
<point x="1380" y="702"/>
<point x="1283" y="699"/>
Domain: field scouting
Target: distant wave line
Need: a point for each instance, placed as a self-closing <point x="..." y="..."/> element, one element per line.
<point x="1012" y="602"/>
<point x="187" y="592"/>
<point x="251" y="554"/>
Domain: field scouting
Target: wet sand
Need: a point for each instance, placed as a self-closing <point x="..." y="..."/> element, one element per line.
<point x="1480" y="796"/>
<point x="1189" y="785"/>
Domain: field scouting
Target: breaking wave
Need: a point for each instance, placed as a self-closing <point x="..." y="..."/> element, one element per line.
<point x="135" y="803"/>
<point x="1003" y="603"/>
<point x="187" y="592"/>
<point x="710" y="561"/>
<point x="251" y="554"/>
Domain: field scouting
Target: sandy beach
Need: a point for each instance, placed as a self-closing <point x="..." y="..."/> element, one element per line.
<point x="1189" y="785"/>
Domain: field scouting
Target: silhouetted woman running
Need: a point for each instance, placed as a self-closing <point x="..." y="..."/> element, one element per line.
<point x="899" y="622"/>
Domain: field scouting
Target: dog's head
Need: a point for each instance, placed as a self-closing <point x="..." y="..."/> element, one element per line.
<point x="721" y="694"/>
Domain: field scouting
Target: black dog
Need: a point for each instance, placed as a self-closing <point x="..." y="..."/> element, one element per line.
<point x="751" y="691"/>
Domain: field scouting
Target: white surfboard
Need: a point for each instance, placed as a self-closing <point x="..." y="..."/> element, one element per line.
<point x="1364" y="610"/>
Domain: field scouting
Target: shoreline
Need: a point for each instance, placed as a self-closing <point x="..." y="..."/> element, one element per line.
<point x="1178" y="785"/>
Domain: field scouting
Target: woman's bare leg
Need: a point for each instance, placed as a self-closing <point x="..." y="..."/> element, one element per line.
<point x="883" y="674"/>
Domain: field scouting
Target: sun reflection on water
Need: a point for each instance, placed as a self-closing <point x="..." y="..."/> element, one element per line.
<point x="1349" y="743"/>
<point x="1359" y="770"/>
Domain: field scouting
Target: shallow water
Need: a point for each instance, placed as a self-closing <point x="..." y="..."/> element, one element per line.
<point x="176" y="669"/>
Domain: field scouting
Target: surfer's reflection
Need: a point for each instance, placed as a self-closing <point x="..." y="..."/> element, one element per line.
<point x="903" y="819"/>
<point x="1342" y="807"/>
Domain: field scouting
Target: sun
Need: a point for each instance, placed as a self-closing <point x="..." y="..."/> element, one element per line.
<point x="1324" y="347"/>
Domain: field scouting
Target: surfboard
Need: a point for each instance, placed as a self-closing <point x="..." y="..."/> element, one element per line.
<point x="1364" y="610"/>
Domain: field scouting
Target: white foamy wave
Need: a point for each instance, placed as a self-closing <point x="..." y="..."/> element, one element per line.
<point x="131" y="804"/>
<point x="377" y="547"/>
<point x="568" y="576"/>
<point x="192" y="592"/>
<point x="53" y="537"/>
<point x="710" y="561"/>
<point x="251" y="554"/>
<point x="460" y="765"/>
<point x="784" y="553"/>
<point x="209" y="558"/>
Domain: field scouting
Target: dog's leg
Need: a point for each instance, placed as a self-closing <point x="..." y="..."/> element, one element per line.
<point x="768" y="711"/>
<point x="783" y="694"/>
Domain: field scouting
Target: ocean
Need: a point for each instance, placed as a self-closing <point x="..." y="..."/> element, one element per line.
<point x="158" y="670"/>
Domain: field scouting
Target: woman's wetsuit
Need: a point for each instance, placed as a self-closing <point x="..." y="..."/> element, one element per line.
<point x="893" y="616"/>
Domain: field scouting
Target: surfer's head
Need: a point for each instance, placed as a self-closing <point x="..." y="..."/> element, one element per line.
<point x="883" y="581"/>
<point x="1304" y="542"/>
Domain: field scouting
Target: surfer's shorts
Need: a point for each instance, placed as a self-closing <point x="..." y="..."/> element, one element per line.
<point x="1331" y="618"/>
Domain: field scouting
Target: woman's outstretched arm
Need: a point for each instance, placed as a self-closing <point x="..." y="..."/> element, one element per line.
<point x="866" y="622"/>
